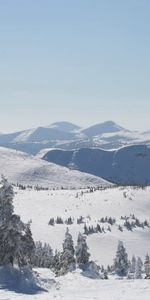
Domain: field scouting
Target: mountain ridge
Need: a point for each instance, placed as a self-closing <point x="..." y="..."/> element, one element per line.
<point x="68" y="136"/>
<point x="26" y="169"/>
<point x="129" y="165"/>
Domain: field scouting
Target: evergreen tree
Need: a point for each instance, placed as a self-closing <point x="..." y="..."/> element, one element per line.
<point x="68" y="243"/>
<point x="121" y="262"/>
<point x="147" y="266"/>
<point x="56" y="264"/>
<point x="43" y="256"/>
<point x="138" y="270"/>
<point x="82" y="254"/>
<point x="13" y="232"/>
<point x="133" y="265"/>
<point x="67" y="256"/>
<point x="27" y="245"/>
<point x="6" y="201"/>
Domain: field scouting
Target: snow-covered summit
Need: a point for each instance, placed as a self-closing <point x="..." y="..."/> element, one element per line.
<point x="98" y="129"/>
<point x="64" y="126"/>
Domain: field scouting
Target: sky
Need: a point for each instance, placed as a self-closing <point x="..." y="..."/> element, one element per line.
<point x="84" y="61"/>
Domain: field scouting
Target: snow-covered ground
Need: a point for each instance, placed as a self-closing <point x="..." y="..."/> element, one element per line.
<point x="41" y="205"/>
<point x="74" y="286"/>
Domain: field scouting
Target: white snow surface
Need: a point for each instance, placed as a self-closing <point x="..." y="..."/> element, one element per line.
<point x="74" y="286"/>
<point x="41" y="205"/>
<point x="27" y="169"/>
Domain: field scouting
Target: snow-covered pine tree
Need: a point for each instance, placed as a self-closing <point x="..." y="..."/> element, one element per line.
<point x="121" y="262"/>
<point x="12" y="229"/>
<point x="37" y="257"/>
<point x="133" y="265"/>
<point x="43" y="256"/>
<point x="56" y="265"/>
<point x="27" y="246"/>
<point x="68" y="244"/>
<point x="147" y="266"/>
<point x="6" y="201"/>
<point x="82" y="254"/>
<point x="138" y="270"/>
<point x="67" y="260"/>
<point x="47" y="256"/>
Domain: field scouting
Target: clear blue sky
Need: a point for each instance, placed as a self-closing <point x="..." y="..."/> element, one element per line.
<point x="84" y="61"/>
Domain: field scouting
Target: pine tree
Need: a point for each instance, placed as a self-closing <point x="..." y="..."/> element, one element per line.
<point x="138" y="270"/>
<point x="147" y="266"/>
<point x="68" y="243"/>
<point x="43" y="256"/>
<point x="56" y="266"/>
<point x="82" y="254"/>
<point x="47" y="254"/>
<point x="6" y="201"/>
<point x="121" y="262"/>
<point x="133" y="265"/>
<point x="67" y="259"/>
<point x="13" y="239"/>
<point x="27" y="245"/>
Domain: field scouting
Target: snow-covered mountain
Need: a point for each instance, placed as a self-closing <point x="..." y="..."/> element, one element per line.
<point x="68" y="136"/>
<point x="22" y="168"/>
<point x="127" y="165"/>
<point x="106" y="127"/>
<point x="64" y="126"/>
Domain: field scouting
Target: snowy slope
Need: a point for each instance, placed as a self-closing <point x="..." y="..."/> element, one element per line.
<point x="26" y="169"/>
<point x="40" y="206"/>
<point x="74" y="286"/>
<point x="128" y="165"/>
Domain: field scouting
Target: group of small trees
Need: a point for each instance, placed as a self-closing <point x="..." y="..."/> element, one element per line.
<point x="131" y="269"/>
<point x="132" y="222"/>
<point x="95" y="229"/>
<point x="43" y="256"/>
<point x="59" y="220"/>
<point x="71" y="256"/>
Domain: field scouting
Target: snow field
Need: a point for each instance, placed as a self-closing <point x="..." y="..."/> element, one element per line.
<point x="40" y="206"/>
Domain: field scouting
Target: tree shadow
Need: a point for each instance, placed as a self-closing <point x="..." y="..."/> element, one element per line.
<point x="20" y="281"/>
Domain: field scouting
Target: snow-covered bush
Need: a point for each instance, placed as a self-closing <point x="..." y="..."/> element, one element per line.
<point x="92" y="270"/>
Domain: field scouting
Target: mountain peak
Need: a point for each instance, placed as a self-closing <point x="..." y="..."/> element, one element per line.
<point x="101" y="128"/>
<point x="64" y="126"/>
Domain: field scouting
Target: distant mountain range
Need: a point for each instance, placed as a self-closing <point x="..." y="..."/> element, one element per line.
<point x="105" y="150"/>
<point x="68" y="136"/>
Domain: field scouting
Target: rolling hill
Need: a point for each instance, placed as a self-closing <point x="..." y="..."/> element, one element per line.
<point x="22" y="168"/>
<point x="128" y="165"/>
